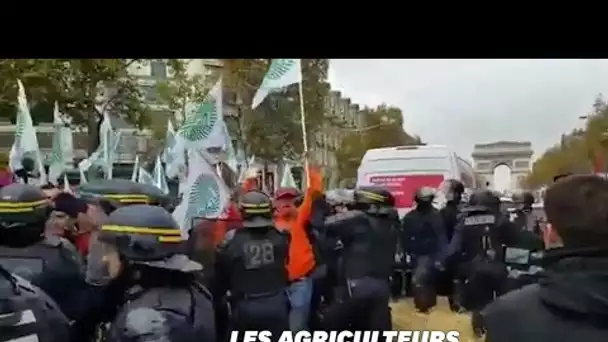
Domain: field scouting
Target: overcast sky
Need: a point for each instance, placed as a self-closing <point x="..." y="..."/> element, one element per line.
<point x="463" y="102"/>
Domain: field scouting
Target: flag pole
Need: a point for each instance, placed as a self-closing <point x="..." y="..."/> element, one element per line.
<point x="303" y="123"/>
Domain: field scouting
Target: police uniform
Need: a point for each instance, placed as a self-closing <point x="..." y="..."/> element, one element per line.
<point x="453" y="191"/>
<point x="27" y="313"/>
<point x="425" y="241"/>
<point x="51" y="263"/>
<point x="477" y="245"/>
<point x="251" y="265"/>
<point x="369" y="236"/>
<point x="162" y="300"/>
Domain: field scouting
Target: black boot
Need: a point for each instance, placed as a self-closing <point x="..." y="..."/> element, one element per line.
<point x="477" y="324"/>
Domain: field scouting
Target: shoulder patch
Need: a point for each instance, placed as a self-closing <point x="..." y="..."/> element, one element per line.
<point x="475" y="220"/>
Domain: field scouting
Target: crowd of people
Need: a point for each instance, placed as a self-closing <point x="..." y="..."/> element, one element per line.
<point x="111" y="264"/>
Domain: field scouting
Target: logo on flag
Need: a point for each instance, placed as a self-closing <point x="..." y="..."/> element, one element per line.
<point x="200" y="122"/>
<point x="278" y="69"/>
<point x="204" y="198"/>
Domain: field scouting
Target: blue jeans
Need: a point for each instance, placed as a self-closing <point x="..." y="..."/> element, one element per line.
<point x="300" y="295"/>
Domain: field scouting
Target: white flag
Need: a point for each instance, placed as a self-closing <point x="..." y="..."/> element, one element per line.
<point x="145" y="177"/>
<point x="106" y="136"/>
<point x="159" y="176"/>
<point x="59" y="156"/>
<point x="287" y="180"/>
<point x="98" y="157"/>
<point x="66" y="183"/>
<point x="26" y="141"/>
<point x="248" y="171"/>
<point x="205" y="196"/>
<point x="135" y="169"/>
<point x="174" y="154"/>
<point x="202" y="127"/>
<point x="280" y="74"/>
<point x="232" y="160"/>
<point x="83" y="177"/>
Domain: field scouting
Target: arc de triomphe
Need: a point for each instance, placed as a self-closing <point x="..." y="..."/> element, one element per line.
<point x="516" y="155"/>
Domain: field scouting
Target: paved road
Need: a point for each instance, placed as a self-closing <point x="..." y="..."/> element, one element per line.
<point x="441" y="318"/>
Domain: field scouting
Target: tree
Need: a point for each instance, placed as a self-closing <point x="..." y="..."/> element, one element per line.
<point x="83" y="88"/>
<point x="576" y="152"/>
<point x="383" y="128"/>
<point x="180" y="90"/>
<point x="273" y="131"/>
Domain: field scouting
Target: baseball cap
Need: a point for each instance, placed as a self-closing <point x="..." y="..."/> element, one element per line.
<point x="282" y="193"/>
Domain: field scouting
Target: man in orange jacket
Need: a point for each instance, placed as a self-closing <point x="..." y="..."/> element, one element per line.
<point x="301" y="256"/>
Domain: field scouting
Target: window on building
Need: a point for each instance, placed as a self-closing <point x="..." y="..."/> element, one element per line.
<point x="150" y="93"/>
<point x="158" y="69"/>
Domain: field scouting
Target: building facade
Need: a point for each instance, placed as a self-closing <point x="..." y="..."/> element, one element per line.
<point x="342" y="117"/>
<point x="133" y="141"/>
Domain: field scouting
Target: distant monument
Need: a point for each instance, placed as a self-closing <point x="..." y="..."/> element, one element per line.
<point x="516" y="155"/>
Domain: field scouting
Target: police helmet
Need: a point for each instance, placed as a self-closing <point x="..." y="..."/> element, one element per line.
<point x="424" y="194"/>
<point x="373" y="195"/>
<point x="340" y="197"/>
<point x="256" y="210"/>
<point x="140" y="234"/>
<point x="452" y="189"/>
<point x="121" y="192"/>
<point x="524" y="198"/>
<point x="23" y="207"/>
<point x="486" y="198"/>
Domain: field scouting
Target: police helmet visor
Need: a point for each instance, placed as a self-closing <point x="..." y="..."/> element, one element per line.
<point x="258" y="222"/>
<point x="103" y="262"/>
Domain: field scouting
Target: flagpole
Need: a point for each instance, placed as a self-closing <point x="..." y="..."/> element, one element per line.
<point x="303" y="123"/>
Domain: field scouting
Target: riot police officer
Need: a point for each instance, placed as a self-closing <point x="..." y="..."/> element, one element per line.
<point x="522" y="215"/>
<point x="369" y="233"/>
<point x="425" y="243"/>
<point x="251" y="264"/>
<point x="477" y="246"/>
<point x="453" y="190"/>
<point x="138" y="251"/>
<point x="49" y="262"/>
<point x="27" y="313"/>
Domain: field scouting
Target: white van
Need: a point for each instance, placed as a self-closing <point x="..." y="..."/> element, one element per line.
<point x="404" y="169"/>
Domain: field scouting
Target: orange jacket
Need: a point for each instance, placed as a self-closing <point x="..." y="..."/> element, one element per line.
<point x="301" y="255"/>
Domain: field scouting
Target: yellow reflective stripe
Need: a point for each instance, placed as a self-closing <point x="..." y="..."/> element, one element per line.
<point x="141" y="230"/>
<point x="22" y="204"/>
<point x="249" y="205"/>
<point x="170" y="239"/>
<point x="119" y="196"/>
<point x="133" y="200"/>
<point x="256" y="211"/>
<point x="16" y="210"/>
<point x="372" y="196"/>
<point x="20" y="207"/>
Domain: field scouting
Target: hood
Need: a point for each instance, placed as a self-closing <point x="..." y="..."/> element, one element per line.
<point x="576" y="282"/>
